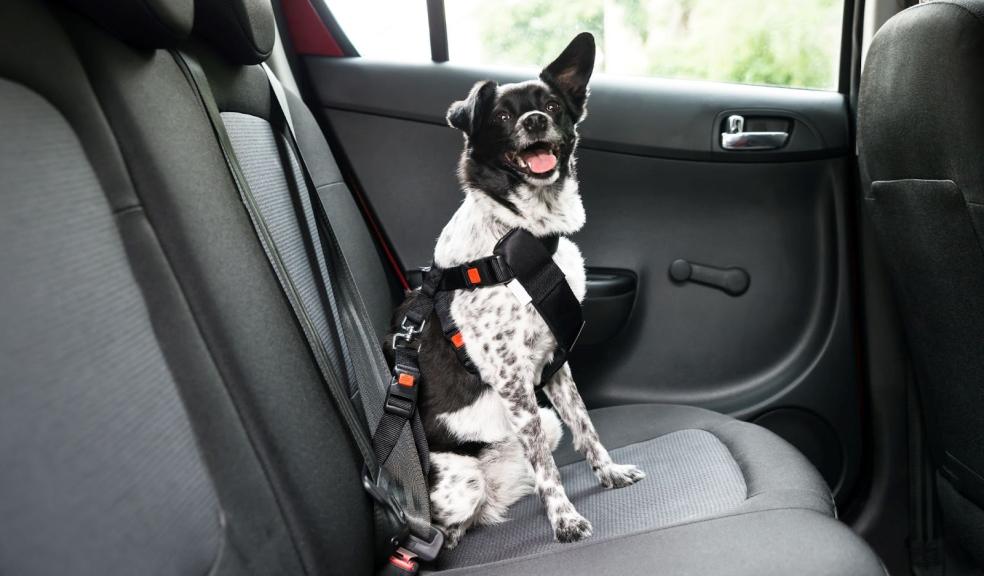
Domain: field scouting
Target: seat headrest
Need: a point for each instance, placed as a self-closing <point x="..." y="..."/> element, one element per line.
<point x="919" y="113"/>
<point x="242" y="30"/>
<point x="142" y="23"/>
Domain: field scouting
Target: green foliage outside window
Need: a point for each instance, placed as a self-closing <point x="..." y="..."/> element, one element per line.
<point x="777" y="42"/>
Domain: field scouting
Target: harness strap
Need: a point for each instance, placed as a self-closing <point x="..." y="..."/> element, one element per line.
<point x="442" y="307"/>
<point x="518" y="257"/>
<point x="486" y="271"/>
<point x="533" y="266"/>
<point x="400" y="404"/>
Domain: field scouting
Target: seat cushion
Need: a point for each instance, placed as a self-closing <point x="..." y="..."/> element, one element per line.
<point x="700" y="465"/>
<point x="777" y="474"/>
<point x="765" y="543"/>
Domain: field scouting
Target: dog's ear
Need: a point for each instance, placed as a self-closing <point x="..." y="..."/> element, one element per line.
<point x="570" y="72"/>
<point x="467" y="115"/>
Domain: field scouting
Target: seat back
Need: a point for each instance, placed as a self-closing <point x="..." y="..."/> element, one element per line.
<point x="101" y="470"/>
<point x="921" y="146"/>
<point x="159" y="410"/>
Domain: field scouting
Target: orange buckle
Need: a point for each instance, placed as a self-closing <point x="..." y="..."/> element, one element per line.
<point x="474" y="277"/>
<point x="405" y="380"/>
<point x="457" y="340"/>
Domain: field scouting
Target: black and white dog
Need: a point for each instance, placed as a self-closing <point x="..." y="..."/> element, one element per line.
<point x="490" y="442"/>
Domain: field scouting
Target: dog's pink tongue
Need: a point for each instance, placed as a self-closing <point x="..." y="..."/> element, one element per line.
<point x="540" y="161"/>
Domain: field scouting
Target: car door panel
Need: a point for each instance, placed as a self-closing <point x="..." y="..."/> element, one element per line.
<point x="658" y="187"/>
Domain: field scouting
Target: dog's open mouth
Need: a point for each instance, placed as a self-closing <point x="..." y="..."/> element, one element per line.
<point x="537" y="160"/>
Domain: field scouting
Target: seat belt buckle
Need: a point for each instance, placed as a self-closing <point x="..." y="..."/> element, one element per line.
<point x="425" y="550"/>
<point x="401" y="563"/>
<point x="400" y="541"/>
<point x="389" y="509"/>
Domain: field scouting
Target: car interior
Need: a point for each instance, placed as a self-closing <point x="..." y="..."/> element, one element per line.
<point x="209" y="210"/>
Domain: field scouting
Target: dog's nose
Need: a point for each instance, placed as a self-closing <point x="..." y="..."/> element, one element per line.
<point x="536" y="122"/>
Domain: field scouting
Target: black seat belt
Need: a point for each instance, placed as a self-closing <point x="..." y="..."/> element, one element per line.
<point x="399" y="407"/>
<point x="392" y="524"/>
<point x="424" y="540"/>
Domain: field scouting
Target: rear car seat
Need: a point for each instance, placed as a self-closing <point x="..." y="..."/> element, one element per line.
<point x="161" y="410"/>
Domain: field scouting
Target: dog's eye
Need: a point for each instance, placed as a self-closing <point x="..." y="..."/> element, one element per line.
<point x="503" y="116"/>
<point x="553" y="106"/>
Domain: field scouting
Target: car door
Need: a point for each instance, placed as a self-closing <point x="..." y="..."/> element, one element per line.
<point x="718" y="237"/>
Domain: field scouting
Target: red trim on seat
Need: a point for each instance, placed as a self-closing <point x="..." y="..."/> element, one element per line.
<point x="308" y="33"/>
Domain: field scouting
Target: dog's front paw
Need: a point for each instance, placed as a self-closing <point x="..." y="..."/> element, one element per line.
<point x="619" y="475"/>
<point x="452" y="535"/>
<point x="571" y="527"/>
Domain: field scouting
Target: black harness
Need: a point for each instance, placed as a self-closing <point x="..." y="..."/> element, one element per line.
<point x="521" y="261"/>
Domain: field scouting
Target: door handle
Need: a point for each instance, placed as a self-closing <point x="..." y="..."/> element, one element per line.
<point x="735" y="138"/>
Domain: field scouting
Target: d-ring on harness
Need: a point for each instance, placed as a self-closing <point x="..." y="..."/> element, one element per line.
<point x="521" y="261"/>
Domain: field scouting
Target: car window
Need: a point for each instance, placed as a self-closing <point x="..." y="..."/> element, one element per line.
<point x="385" y="29"/>
<point x="776" y="42"/>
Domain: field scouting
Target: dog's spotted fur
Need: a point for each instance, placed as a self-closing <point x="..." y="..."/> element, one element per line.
<point x="491" y="443"/>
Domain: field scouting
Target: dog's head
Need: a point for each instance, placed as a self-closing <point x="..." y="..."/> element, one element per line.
<point x="525" y="132"/>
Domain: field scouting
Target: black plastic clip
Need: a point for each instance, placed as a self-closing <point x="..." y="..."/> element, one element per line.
<point x="401" y="397"/>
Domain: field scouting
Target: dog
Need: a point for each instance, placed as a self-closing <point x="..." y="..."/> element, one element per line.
<point x="490" y="442"/>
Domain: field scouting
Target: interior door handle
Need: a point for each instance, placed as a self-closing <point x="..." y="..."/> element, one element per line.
<point x="737" y="139"/>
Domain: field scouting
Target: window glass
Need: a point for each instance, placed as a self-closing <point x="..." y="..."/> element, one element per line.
<point x="776" y="42"/>
<point x="385" y="29"/>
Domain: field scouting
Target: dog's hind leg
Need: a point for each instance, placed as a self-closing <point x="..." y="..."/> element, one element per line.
<point x="567" y="400"/>
<point x="457" y="493"/>
<point x="507" y="478"/>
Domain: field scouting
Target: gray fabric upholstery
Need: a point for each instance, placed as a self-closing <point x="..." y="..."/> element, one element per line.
<point x="256" y="150"/>
<point x="39" y="54"/>
<point x="700" y="465"/>
<point x="242" y="30"/>
<point x="963" y="526"/>
<point x="142" y="23"/>
<point x="690" y="475"/>
<point x="775" y="543"/>
<point x="101" y="469"/>
<point x="290" y="477"/>
<point x="777" y="475"/>
<point x="920" y="137"/>
<point x="375" y="280"/>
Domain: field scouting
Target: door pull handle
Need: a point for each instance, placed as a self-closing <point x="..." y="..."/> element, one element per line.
<point x="735" y="138"/>
<point x="733" y="281"/>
